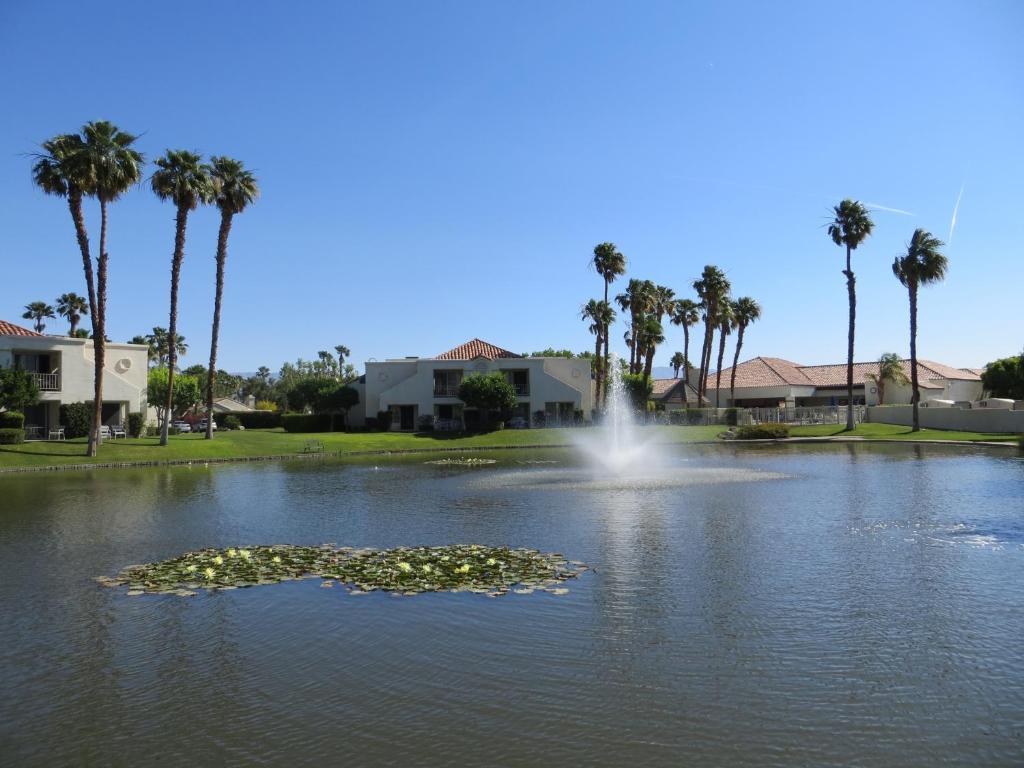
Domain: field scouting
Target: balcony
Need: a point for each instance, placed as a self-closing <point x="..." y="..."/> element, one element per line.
<point x="522" y="390"/>
<point x="445" y="390"/>
<point x="47" y="382"/>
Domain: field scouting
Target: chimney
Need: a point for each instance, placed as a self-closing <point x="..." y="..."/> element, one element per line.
<point x="250" y="401"/>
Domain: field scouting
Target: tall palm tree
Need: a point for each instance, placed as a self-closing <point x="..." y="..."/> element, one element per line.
<point x="235" y="189"/>
<point x="183" y="178"/>
<point x="923" y="264"/>
<point x="745" y="311"/>
<point x="726" y="324"/>
<point x="678" y="361"/>
<point x="687" y="314"/>
<point x="72" y="306"/>
<point x="651" y="335"/>
<point x="890" y="368"/>
<point x="601" y="316"/>
<point x="713" y="290"/>
<point x="343" y="352"/>
<point x="639" y="301"/>
<point x="38" y="311"/>
<point x="159" y="351"/>
<point x="116" y="167"/>
<point x="851" y="226"/>
<point x="609" y="263"/>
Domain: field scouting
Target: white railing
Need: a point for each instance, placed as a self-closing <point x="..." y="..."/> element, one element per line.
<point x="47" y="382"/>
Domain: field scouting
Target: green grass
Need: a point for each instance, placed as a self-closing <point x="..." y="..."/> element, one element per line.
<point x="276" y="442"/>
<point x="897" y="432"/>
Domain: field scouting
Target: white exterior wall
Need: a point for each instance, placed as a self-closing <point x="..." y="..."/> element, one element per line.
<point x="125" y="369"/>
<point x="972" y="420"/>
<point x="782" y="393"/>
<point x="411" y="382"/>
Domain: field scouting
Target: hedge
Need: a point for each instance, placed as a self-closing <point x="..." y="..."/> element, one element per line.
<point x="252" y="419"/>
<point x="136" y="422"/>
<point x="76" y="418"/>
<point x="12" y="420"/>
<point x="306" y="422"/>
<point x="768" y="431"/>
<point x="11" y="436"/>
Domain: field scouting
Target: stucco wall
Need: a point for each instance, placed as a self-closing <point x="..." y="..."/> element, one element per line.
<point x="972" y="420"/>
<point x="411" y="382"/>
<point x="125" y="368"/>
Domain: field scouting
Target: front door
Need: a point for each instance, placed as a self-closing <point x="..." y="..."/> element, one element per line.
<point x="407" y="417"/>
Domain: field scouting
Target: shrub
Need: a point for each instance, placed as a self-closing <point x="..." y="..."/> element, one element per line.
<point x="232" y="422"/>
<point x="539" y="418"/>
<point x="694" y="416"/>
<point x="250" y="419"/>
<point x="18" y="389"/>
<point x="136" y="421"/>
<point x="152" y="430"/>
<point x="677" y="418"/>
<point x="306" y="422"/>
<point x="425" y="423"/>
<point x="731" y="416"/>
<point x="266" y="405"/>
<point x="383" y="421"/>
<point x="12" y="420"/>
<point x="76" y="418"/>
<point x="762" y="432"/>
<point x="487" y="392"/>
<point x="11" y="436"/>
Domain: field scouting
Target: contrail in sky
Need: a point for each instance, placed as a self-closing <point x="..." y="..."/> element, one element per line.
<point x="887" y="208"/>
<point x="952" y="221"/>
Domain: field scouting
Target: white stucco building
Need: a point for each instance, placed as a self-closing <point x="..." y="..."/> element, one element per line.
<point x="411" y="387"/>
<point x="774" y="382"/>
<point x="63" y="368"/>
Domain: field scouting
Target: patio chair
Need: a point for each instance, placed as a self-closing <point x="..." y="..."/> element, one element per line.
<point x="104" y="432"/>
<point x="118" y="431"/>
<point x="56" y="433"/>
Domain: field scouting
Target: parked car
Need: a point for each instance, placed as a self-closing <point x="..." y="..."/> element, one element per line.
<point x="517" y="422"/>
<point x="181" y="426"/>
<point x="200" y="426"/>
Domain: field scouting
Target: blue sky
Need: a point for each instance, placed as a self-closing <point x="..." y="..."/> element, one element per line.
<point x="434" y="171"/>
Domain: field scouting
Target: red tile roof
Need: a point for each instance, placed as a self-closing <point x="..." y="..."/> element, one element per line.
<point x="773" y="372"/>
<point x="473" y="349"/>
<point x="10" y="329"/>
<point x="671" y="390"/>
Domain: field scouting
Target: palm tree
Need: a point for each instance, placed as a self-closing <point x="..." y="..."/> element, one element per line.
<point x="609" y="263"/>
<point x="651" y="335"/>
<point x="601" y="316"/>
<point x="38" y="311"/>
<point x="890" y="368"/>
<point x="638" y="300"/>
<point x="745" y="311"/>
<point x="184" y="179"/>
<point x="713" y="290"/>
<point x="851" y="226"/>
<point x="234" y="189"/>
<point x="678" y="361"/>
<point x="157" y="341"/>
<point x="726" y="324"/>
<point x="343" y="352"/>
<point x="72" y="306"/>
<point x="923" y="264"/>
<point x="686" y="313"/>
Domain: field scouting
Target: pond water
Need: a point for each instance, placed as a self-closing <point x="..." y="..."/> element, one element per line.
<point x="799" y="605"/>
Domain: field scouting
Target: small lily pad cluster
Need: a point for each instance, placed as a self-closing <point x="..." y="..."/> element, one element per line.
<point x="465" y="461"/>
<point x="493" y="571"/>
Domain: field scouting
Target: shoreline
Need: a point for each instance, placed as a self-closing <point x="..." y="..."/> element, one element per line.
<point x="74" y="467"/>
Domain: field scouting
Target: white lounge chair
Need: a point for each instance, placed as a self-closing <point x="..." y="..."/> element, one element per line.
<point x="104" y="432"/>
<point x="118" y="431"/>
<point x="56" y="433"/>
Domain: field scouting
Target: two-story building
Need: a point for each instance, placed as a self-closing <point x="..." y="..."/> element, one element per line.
<point x="411" y="387"/>
<point x="64" y="367"/>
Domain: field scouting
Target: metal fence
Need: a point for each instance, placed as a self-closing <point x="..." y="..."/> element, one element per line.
<point x="826" y="414"/>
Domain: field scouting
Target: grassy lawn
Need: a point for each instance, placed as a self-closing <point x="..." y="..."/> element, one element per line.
<point x="276" y="442"/>
<point x="896" y="432"/>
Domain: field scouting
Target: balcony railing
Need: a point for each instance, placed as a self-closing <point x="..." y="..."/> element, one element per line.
<point x="47" y="382"/>
<point x="522" y="390"/>
<point x="446" y="390"/>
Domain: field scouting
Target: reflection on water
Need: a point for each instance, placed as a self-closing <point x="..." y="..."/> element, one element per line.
<point x="768" y="605"/>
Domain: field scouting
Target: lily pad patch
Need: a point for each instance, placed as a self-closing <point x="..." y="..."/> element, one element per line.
<point x="492" y="571"/>
<point x="464" y="461"/>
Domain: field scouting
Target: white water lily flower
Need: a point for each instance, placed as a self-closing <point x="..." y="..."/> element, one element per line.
<point x="427" y="569"/>
<point x="245" y="553"/>
<point x="276" y="558"/>
<point x="464" y="568"/>
<point x="191" y="569"/>
<point x="232" y="552"/>
<point x="218" y="560"/>
<point x="209" y="573"/>
<point x="404" y="566"/>
<point x="491" y="561"/>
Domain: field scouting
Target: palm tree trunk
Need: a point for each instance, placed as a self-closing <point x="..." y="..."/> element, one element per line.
<point x="607" y="355"/>
<point x="722" y="336"/>
<point x="632" y="346"/>
<point x="851" y="290"/>
<point x="686" y="361"/>
<point x="99" y="341"/>
<point x="77" y="217"/>
<point x="597" y="367"/>
<point x="172" y="331"/>
<point x="649" y="361"/>
<point x="222" y="255"/>
<point x="735" y="361"/>
<point x="915" y="397"/>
